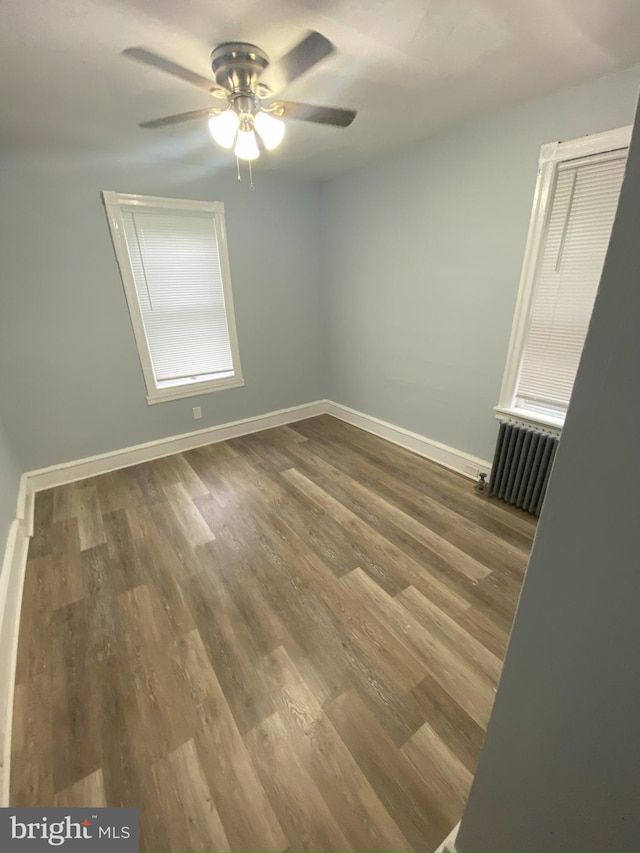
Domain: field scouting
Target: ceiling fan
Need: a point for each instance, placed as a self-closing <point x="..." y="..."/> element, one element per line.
<point x="248" y="82"/>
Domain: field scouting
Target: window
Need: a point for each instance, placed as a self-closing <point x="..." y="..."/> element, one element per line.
<point x="173" y="261"/>
<point x="574" y="207"/>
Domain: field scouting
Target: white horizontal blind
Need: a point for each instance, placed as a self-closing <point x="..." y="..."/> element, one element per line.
<point x="176" y="267"/>
<point x="577" y="236"/>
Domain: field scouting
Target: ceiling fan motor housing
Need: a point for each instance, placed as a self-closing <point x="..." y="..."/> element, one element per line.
<point x="237" y="66"/>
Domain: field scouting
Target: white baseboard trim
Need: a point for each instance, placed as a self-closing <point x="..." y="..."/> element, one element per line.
<point x="11" y="585"/>
<point x="91" y="466"/>
<point x="80" y="469"/>
<point x="449" y="844"/>
<point x="457" y="460"/>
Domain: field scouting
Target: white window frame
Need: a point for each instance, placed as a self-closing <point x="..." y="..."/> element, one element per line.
<point x="114" y="203"/>
<point x="551" y="155"/>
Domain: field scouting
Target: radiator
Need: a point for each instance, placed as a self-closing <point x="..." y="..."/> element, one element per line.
<point x="521" y="466"/>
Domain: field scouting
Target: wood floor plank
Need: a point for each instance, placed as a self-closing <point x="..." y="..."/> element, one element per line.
<point x="258" y="618"/>
<point x="448" y="488"/>
<point x="79" y="500"/>
<point x="128" y="779"/>
<point x="395" y="780"/>
<point x="190" y="813"/>
<point x="86" y="792"/>
<point x="469" y="686"/>
<point x="172" y="536"/>
<point x="314" y="629"/>
<point x="451" y="633"/>
<point x="161" y="723"/>
<point x="124" y="567"/>
<point x="337" y="536"/>
<point x="171" y="470"/>
<point x="188" y="478"/>
<point x="90" y="524"/>
<point x="366" y="536"/>
<point x="141" y="523"/>
<point x="343" y="786"/>
<point x="234" y="561"/>
<point x="265" y="453"/>
<point x="159" y="568"/>
<point x="213" y="462"/>
<point x="484" y="629"/>
<point x="286" y="435"/>
<point x="286" y="641"/>
<point x="455" y="728"/>
<point x="39" y="545"/>
<point x="123" y="776"/>
<point x="459" y="529"/>
<point x="74" y="699"/>
<point x="399" y="663"/>
<point x="117" y="490"/>
<point x="106" y="634"/>
<point x="193" y="524"/>
<point x="323" y="536"/>
<point x="148" y="483"/>
<point x="329" y="658"/>
<point x="33" y="647"/>
<point x="224" y="759"/>
<point x="67" y="583"/>
<point x="446" y="778"/>
<point x="301" y="810"/>
<point x="64" y="504"/>
<point x="234" y="659"/>
<point x="457" y="559"/>
<point x="32" y="764"/>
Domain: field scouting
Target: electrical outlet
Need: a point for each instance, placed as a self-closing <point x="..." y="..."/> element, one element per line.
<point x="197" y="413"/>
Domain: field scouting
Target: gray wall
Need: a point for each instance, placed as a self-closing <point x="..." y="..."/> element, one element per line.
<point x="390" y="289"/>
<point x="560" y="769"/>
<point x="425" y="250"/>
<point x="73" y="385"/>
<point x="9" y="482"/>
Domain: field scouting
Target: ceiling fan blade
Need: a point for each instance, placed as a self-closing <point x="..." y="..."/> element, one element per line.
<point x="179" y="117"/>
<point x="335" y="116"/>
<point x="146" y="57"/>
<point x="312" y="49"/>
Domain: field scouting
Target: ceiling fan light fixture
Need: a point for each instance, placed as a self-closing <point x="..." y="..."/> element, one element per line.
<point x="223" y="127"/>
<point x="271" y="129"/>
<point x="246" y="145"/>
<point x="245" y="77"/>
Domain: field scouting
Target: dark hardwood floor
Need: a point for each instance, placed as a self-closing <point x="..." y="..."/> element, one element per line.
<point x="287" y="641"/>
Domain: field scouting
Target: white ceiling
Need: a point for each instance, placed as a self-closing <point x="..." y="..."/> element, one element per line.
<point x="410" y="68"/>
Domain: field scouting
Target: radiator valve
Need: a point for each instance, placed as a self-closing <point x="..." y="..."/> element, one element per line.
<point x="482" y="486"/>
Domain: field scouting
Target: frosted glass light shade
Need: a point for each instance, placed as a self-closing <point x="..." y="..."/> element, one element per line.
<point x="270" y="129"/>
<point x="247" y="145"/>
<point x="224" y="127"/>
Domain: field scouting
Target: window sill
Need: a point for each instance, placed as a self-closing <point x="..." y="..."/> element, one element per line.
<point x="196" y="389"/>
<point x="527" y="419"/>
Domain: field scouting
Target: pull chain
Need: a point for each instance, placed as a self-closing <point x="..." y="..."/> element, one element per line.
<point x="251" y="187"/>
